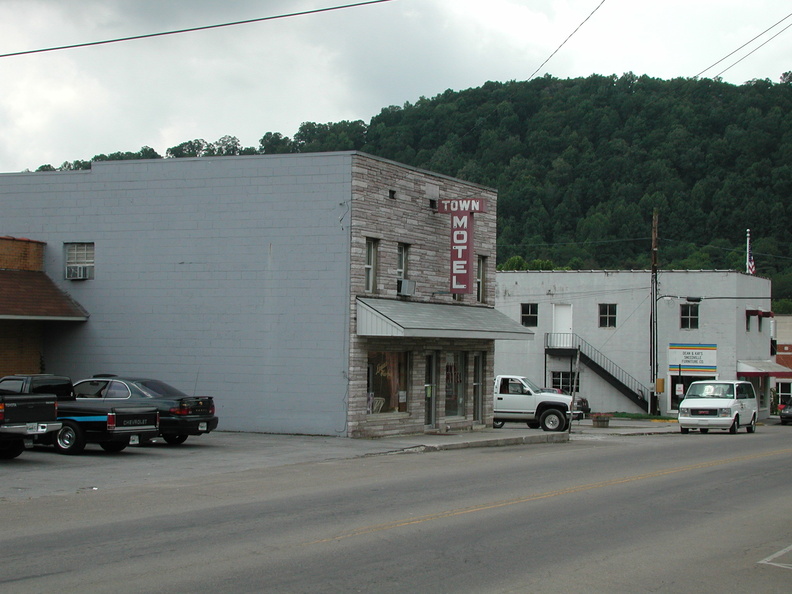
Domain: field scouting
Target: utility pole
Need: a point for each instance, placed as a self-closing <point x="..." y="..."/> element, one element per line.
<point x="653" y="408"/>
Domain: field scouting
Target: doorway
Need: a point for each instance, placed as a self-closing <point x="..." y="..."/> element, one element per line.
<point x="430" y="391"/>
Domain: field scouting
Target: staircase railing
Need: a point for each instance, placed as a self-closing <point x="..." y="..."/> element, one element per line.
<point x="569" y="340"/>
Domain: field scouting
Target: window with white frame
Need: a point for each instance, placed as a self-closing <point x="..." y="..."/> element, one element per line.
<point x="80" y="260"/>
<point x="607" y="315"/>
<point x="529" y="314"/>
<point x="370" y="266"/>
<point x="401" y="260"/>
<point x="565" y="380"/>
<point x="481" y="280"/>
<point x="689" y="316"/>
<point x="784" y="393"/>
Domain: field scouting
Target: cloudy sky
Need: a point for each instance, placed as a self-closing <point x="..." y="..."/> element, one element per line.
<point x="345" y="64"/>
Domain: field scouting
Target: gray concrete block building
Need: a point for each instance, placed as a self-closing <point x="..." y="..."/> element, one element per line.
<point x="314" y="293"/>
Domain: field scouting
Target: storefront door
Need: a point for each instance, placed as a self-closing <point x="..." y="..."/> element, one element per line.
<point x="430" y="390"/>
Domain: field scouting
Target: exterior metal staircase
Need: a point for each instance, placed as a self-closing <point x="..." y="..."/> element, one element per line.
<point x="568" y="344"/>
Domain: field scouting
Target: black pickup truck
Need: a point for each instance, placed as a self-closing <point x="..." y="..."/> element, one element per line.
<point x="112" y="426"/>
<point x="23" y="417"/>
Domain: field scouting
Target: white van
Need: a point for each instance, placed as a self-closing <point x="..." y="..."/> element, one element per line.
<point x="715" y="404"/>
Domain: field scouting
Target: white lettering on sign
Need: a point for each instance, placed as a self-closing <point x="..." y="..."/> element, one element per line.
<point x="461" y="260"/>
<point x="462" y="210"/>
<point x="468" y="205"/>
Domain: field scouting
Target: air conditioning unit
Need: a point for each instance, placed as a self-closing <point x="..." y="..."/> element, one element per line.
<point x="78" y="272"/>
<point x="405" y="287"/>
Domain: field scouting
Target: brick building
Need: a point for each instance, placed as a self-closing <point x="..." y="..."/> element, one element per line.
<point x="315" y="293"/>
<point x="31" y="305"/>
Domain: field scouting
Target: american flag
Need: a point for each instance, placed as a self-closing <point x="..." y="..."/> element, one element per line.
<point x="750" y="265"/>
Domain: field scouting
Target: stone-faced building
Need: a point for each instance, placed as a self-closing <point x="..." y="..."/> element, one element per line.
<point x="329" y="293"/>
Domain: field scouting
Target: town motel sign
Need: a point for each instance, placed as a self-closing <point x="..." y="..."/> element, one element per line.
<point x="462" y="263"/>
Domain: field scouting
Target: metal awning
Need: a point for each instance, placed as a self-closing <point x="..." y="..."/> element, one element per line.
<point x="762" y="368"/>
<point x="408" y="319"/>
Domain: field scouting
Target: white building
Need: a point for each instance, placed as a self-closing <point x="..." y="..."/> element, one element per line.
<point x="599" y="326"/>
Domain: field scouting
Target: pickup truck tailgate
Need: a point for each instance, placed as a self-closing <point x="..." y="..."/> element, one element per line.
<point x="27" y="409"/>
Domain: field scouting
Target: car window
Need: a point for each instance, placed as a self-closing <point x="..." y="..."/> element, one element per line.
<point x="12" y="385"/>
<point x="89" y="389"/>
<point x="160" y="389"/>
<point x="710" y="391"/>
<point x="116" y="390"/>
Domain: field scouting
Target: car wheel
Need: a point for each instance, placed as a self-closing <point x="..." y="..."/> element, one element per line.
<point x="704" y="431"/>
<point x="174" y="439"/>
<point x="11" y="449"/>
<point x="497" y="424"/>
<point x="735" y="426"/>
<point x="784" y="421"/>
<point x="684" y="430"/>
<point x="751" y="427"/>
<point x="552" y="420"/>
<point x="114" y="446"/>
<point x="69" y="439"/>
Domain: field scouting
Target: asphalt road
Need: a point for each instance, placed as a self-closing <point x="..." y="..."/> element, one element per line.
<point x="601" y="513"/>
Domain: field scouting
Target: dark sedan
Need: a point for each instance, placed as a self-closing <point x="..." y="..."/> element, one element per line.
<point x="180" y="415"/>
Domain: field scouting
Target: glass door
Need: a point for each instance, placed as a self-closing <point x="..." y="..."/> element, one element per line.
<point x="430" y="390"/>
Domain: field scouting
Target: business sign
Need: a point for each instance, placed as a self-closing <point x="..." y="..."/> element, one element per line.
<point x="462" y="247"/>
<point x="689" y="359"/>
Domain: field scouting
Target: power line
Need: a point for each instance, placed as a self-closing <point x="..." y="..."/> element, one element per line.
<point x="567" y="39"/>
<point x="751" y="52"/>
<point x="193" y="29"/>
<point x="747" y="43"/>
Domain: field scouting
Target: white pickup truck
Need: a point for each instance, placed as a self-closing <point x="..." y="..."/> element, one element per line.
<point x="516" y="398"/>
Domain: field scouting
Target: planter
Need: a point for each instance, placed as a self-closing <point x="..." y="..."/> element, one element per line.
<point x="600" y="422"/>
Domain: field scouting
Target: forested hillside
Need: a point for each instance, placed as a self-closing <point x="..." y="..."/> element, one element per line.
<point x="581" y="164"/>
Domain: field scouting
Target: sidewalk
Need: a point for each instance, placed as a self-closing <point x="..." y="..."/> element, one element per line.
<point x="519" y="434"/>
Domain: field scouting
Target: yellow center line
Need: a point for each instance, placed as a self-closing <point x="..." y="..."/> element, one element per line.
<point x="546" y="495"/>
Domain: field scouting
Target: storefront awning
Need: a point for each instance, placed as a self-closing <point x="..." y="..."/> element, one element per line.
<point x="762" y="368"/>
<point x="30" y="295"/>
<point x="408" y="319"/>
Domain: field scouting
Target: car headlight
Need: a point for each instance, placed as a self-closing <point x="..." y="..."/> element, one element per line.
<point x="724" y="412"/>
<point x="684" y="412"/>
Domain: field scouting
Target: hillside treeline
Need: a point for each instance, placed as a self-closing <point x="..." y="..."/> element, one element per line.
<point x="581" y="165"/>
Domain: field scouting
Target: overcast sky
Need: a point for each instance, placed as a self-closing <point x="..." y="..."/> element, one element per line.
<point x="347" y="64"/>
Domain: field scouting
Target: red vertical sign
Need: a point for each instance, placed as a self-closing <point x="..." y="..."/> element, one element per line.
<point x="462" y="252"/>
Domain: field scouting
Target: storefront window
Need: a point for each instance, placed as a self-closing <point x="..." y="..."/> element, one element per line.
<point x="387" y="382"/>
<point x="455" y="385"/>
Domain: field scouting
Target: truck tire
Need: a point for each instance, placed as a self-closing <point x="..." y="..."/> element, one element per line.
<point x="684" y="430"/>
<point x="174" y="439"/>
<point x="497" y="424"/>
<point x="751" y="427"/>
<point x="735" y="426"/>
<point x="552" y="420"/>
<point x="113" y="447"/>
<point x="69" y="439"/>
<point x="11" y="449"/>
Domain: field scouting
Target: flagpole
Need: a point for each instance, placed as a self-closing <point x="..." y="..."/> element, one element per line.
<point x="747" y="251"/>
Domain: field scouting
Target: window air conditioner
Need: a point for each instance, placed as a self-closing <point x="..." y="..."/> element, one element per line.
<point x="405" y="287"/>
<point x="78" y="272"/>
